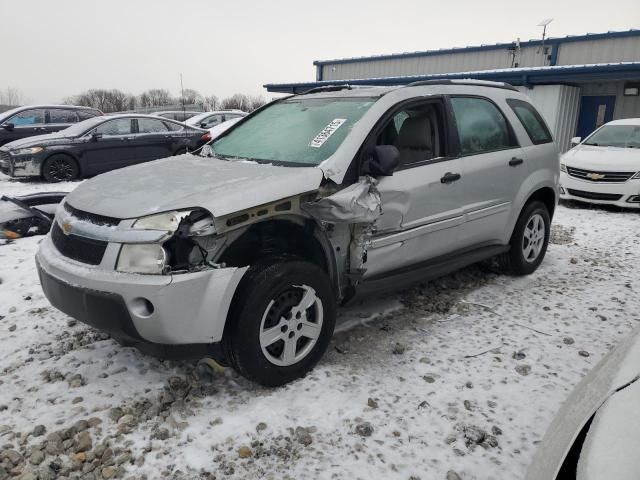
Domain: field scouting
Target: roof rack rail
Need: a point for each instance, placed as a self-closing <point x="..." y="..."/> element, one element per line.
<point x="329" y="88"/>
<point x="477" y="83"/>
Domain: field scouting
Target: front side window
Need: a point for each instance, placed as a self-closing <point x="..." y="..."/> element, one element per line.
<point x="28" y="118"/>
<point x="303" y="131"/>
<point x="417" y="132"/>
<point x="150" y="125"/>
<point x="121" y="126"/>
<point x="59" y="115"/>
<point x="481" y="126"/>
<point x="531" y="121"/>
<point x="622" y="136"/>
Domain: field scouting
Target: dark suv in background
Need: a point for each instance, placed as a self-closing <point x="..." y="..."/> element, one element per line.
<point x="33" y="120"/>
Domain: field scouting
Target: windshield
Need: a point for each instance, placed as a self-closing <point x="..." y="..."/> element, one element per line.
<point x="623" y="136"/>
<point x="295" y="131"/>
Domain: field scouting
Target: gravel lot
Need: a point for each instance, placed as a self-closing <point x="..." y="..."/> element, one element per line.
<point x="456" y="379"/>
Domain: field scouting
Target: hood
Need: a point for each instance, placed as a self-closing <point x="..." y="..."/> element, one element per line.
<point x="617" y="369"/>
<point x="222" y="187"/>
<point x="612" y="159"/>
<point x="49" y="139"/>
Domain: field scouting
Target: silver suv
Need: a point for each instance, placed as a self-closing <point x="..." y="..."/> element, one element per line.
<point x="243" y="254"/>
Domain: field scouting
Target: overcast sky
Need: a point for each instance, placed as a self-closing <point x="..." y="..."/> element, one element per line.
<point x="55" y="48"/>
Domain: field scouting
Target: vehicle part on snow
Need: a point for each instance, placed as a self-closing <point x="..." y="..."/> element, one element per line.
<point x="28" y="215"/>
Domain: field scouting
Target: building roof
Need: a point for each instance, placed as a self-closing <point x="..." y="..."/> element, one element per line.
<point x="477" y="48"/>
<point x="514" y="76"/>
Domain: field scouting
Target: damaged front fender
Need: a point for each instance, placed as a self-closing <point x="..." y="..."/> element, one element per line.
<point x="358" y="203"/>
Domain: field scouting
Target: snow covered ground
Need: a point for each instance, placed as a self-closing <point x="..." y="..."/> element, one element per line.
<point x="457" y="379"/>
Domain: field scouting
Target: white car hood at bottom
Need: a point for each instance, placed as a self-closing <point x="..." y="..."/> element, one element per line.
<point x="603" y="159"/>
<point x="617" y="370"/>
<point x="613" y="441"/>
<point x="222" y="187"/>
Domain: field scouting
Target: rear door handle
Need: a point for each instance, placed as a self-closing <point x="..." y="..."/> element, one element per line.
<point x="450" y="177"/>
<point x="515" y="161"/>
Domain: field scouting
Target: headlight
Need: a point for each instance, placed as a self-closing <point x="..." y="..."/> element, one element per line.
<point x="168" y="221"/>
<point x="142" y="258"/>
<point x="28" y="151"/>
<point x="199" y="222"/>
<point x="637" y="175"/>
<point x="563" y="167"/>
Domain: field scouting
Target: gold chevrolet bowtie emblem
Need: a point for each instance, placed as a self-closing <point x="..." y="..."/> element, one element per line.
<point x="595" y="176"/>
<point x="66" y="227"/>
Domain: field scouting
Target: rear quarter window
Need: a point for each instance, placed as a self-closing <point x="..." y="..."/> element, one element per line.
<point x="531" y="120"/>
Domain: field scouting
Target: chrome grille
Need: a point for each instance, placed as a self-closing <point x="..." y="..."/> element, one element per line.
<point x="595" y="176"/>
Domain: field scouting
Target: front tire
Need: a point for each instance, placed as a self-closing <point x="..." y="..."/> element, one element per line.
<point x="60" y="168"/>
<point x="529" y="240"/>
<point x="281" y="322"/>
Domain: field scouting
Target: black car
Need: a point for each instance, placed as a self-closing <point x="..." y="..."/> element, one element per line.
<point x="33" y="120"/>
<point x="98" y="145"/>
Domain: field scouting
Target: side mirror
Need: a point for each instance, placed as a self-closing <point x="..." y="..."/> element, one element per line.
<point x="383" y="161"/>
<point x="575" y="141"/>
<point x="203" y="125"/>
<point x="8" y="126"/>
<point x="95" y="136"/>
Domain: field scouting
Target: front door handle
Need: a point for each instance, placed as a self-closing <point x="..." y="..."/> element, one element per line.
<point x="515" y="161"/>
<point x="450" y="177"/>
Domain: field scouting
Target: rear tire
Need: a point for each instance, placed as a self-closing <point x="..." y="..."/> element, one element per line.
<point x="60" y="168"/>
<point x="529" y="240"/>
<point x="281" y="322"/>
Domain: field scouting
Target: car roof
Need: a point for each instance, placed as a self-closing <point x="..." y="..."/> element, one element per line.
<point x="173" y="111"/>
<point x="342" y="90"/>
<point x="625" y="121"/>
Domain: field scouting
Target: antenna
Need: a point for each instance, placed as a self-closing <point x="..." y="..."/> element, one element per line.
<point x="184" y="113"/>
<point x="544" y="24"/>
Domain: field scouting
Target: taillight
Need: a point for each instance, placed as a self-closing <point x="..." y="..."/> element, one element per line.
<point x="206" y="137"/>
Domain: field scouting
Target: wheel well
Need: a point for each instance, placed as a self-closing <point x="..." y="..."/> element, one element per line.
<point x="275" y="237"/>
<point x="61" y="154"/>
<point x="545" y="195"/>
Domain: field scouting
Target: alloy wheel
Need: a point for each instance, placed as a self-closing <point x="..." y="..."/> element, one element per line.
<point x="60" y="169"/>
<point x="533" y="238"/>
<point x="291" y="325"/>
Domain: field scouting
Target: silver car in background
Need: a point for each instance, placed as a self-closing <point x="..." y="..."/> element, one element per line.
<point x="307" y="202"/>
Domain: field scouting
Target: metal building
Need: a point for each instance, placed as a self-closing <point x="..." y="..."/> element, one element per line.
<point x="578" y="82"/>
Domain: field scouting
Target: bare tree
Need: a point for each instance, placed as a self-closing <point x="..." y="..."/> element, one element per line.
<point x="240" y="101"/>
<point x="190" y="97"/>
<point x="157" y="97"/>
<point x="11" y="96"/>
<point x="211" y="102"/>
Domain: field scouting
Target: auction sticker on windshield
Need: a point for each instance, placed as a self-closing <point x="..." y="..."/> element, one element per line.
<point x="326" y="132"/>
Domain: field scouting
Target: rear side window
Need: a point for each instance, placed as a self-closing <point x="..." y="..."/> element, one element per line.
<point x="121" y="126"/>
<point x="85" y="114"/>
<point x="531" y="121"/>
<point x="481" y="126"/>
<point x="59" y="115"/>
<point x="149" y="125"/>
<point x="173" y="127"/>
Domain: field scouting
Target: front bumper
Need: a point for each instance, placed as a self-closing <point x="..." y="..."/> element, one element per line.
<point x="20" y="165"/>
<point x="152" y="311"/>
<point x="602" y="193"/>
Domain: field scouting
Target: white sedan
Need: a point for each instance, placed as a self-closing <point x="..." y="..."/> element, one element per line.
<point x="596" y="433"/>
<point x="605" y="167"/>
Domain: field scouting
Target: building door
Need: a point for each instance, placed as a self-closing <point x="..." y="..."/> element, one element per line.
<point x="595" y="111"/>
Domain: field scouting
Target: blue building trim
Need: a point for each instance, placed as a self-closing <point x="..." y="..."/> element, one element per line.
<point x="515" y="76"/>
<point x="479" y="48"/>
